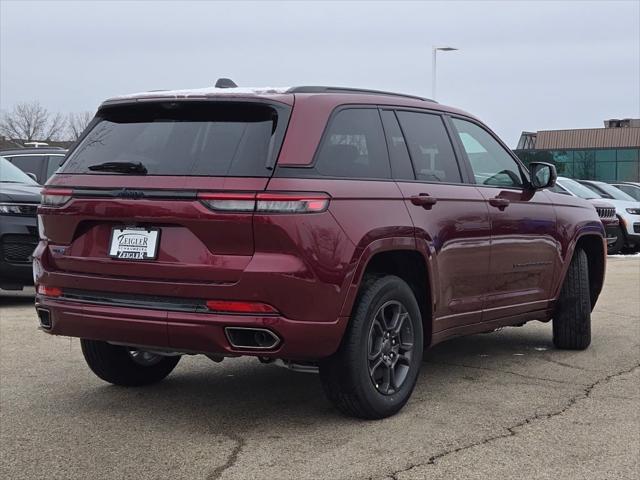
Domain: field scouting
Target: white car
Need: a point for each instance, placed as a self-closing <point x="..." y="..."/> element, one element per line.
<point x="627" y="209"/>
<point x="630" y="188"/>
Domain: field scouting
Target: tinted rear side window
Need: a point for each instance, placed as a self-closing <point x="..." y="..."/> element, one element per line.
<point x="174" y="138"/>
<point x="354" y="146"/>
<point x="430" y="147"/>
<point x="401" y="168"/>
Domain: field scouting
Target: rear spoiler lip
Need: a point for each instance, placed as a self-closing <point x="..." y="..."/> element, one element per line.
<point x="280" y="98"/>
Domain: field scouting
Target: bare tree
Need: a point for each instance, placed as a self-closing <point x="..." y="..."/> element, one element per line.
<point x="76" y="124"/>
<point x="30" y="121"/>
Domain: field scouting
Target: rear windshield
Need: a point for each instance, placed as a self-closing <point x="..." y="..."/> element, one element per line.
<point x="184" y="138"/>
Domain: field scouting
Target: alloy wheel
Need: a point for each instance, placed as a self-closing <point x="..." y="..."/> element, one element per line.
<point x="390" y="348"/>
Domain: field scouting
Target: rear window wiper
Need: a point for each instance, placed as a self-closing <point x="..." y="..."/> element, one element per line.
<point x="119" y="167"/>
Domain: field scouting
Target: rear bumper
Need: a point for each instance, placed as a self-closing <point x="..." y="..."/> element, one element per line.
<point x="187" y="331"/>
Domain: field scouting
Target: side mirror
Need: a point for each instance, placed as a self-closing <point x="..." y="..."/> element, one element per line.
<point x="32" y="176"/>
<point x="543" y="175"/>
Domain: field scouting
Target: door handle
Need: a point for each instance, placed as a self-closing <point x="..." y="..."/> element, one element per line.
<point x="500" y="203"/>
<point x="424" y="200"/>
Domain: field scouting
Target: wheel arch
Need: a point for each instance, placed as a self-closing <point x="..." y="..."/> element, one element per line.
<point x="402" y="259"/>
<point x="594" y="245"/>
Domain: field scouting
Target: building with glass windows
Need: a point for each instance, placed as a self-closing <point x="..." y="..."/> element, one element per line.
<point x="608" y="154"/>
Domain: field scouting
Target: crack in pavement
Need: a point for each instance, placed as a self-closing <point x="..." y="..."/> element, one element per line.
<point x="217" y="472"/>
<point x="531" y="377"/>
<point x="616" y="314"/>
<point x="563" y="364"/>
<point x="511" y="431"/>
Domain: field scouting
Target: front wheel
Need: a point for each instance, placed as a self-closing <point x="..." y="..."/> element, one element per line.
<point x="572" y="317"/>
<point x="126" y="366"/>
<point x="375" y="370"/>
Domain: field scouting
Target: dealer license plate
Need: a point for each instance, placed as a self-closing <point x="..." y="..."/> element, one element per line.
<point x="134" y="243"/>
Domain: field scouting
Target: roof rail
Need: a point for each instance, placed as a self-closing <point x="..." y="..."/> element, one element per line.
<point x="322" y="89"/>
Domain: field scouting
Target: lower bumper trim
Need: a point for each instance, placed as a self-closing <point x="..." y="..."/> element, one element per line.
<point x="189" y="331"/>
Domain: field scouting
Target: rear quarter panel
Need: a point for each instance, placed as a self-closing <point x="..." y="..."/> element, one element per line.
<point x="370" y="217"/>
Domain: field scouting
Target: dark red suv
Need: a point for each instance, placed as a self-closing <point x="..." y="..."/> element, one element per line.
<point x="326" y="228"/>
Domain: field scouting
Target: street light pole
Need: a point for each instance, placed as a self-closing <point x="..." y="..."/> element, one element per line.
<point x="434" y="51"/>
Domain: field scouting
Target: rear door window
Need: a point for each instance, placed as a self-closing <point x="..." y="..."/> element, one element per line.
<point x="354" y="146"/>
<point x="401" y="168"/>
<point x="184" y="138"/>
<point x="430" y="148"/>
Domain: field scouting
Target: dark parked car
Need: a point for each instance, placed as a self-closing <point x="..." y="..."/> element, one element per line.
<point x="606" y="211"/>
<point x="611" y="224"/>
<point x="19" y="199"/>
<point x="339" y="229"/>
<point x="41" y="162"/>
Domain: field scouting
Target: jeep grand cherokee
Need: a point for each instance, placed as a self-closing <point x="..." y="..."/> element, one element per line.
<point x="339" y="229"/>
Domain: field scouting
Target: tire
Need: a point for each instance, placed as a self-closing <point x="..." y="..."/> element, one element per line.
<point x="619" y="243"/>
<point x="346" y="377"/>
<point x="115" y="364"/>
<point x="572" y="318"/>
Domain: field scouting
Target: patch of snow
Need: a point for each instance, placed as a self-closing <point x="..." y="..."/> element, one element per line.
<point x="204" y="92"/>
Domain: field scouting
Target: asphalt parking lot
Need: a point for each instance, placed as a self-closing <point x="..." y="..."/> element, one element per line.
<point x="499" y="405"/>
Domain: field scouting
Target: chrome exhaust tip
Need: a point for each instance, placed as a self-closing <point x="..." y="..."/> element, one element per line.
<point x="44" y="316"/>
<point x="252" y="338"/>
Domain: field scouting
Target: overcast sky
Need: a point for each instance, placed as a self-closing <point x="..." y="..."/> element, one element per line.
<point x="521" y="65"/>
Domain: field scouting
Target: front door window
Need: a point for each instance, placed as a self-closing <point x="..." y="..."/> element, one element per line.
<point x="491" y="163"/>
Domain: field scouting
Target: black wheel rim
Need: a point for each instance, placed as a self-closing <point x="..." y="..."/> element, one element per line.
<point x="144" y="358"/>
<point x="390" y="347"/>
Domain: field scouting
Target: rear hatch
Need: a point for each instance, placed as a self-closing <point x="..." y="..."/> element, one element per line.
<point x="164" y="190"/>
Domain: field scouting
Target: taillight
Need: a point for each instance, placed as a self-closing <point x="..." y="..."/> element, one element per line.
<point x="265" y="202"/>
<point x="230" y="306"/>
<point x="292" y="203"/>
<point x="49" y="291"/>
<point x="229" y="202"/>
<point x="55" y="197"/>
<point x="41" y="228"/>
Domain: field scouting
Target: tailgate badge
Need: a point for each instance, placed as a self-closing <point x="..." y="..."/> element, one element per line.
<point x="132" y="194"/>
